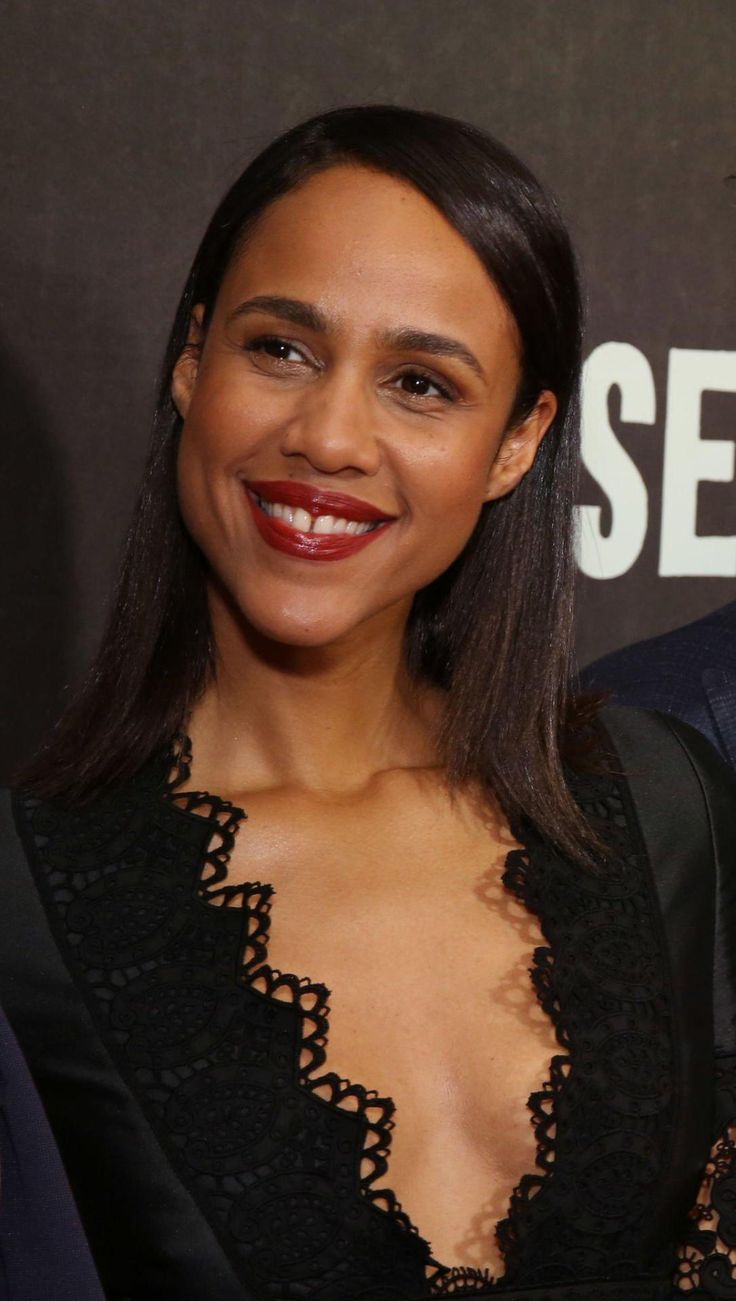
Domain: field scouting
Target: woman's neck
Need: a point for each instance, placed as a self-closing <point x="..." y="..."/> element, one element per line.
<point x="325" y="719"/>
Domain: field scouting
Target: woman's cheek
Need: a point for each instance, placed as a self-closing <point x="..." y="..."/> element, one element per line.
<point x="445" y="537"/>
<point x="192" y="503"/>
<point x="453" y="501"/>
<point x="202" y="491"/>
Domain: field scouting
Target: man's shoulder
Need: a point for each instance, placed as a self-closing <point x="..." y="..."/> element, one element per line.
<point x="708" y="642"/>
<point x="689" y="673"/>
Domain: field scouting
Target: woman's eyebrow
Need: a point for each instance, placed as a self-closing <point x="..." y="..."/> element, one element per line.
<point x="438" y="345"/>
<point x="412" y="340"/>
<point x="288" y="309"/>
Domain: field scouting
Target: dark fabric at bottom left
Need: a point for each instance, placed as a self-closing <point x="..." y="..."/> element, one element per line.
<point x="43" y="1250"/>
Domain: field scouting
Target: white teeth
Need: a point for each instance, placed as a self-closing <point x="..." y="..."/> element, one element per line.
<point x="301" y="519"/>
<point x="323" y="524"/>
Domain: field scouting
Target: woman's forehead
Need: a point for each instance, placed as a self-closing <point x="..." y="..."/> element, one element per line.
<point x="350" y="240"/>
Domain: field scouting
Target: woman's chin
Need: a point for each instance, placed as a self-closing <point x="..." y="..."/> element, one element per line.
<point x="288" y="632"/>
<point x="301" y="627"/>
<point x="300" y="616"/>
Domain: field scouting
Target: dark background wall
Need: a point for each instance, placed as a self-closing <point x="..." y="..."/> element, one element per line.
<point x="123" y="123"/>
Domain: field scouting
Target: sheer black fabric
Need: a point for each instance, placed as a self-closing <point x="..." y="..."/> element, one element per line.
<point x="281" y="1169"/>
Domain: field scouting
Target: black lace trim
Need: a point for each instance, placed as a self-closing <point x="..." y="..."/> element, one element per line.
<point x="706" y="1265"/>
<point x="622" y="888"/>
<point x="604" y="1119"/>
<point x="311" y="1001"/>
<point x="220" y="1061"/>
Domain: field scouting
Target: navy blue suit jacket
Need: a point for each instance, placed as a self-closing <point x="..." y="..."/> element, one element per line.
<point x="690" y="673"/>
<point x="43" y="1251"/>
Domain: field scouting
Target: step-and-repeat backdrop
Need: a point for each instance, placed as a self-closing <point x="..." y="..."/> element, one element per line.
<point x="122" y="124"/>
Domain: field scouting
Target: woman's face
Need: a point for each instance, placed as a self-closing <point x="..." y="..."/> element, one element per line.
<point x="345" y="415"/>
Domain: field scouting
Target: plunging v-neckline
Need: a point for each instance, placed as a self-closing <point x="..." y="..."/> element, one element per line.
<point x="311" y="999"/>
<point x="130" y="883"/>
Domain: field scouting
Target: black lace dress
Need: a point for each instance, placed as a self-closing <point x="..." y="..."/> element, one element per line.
<point x="214" y="1160"/>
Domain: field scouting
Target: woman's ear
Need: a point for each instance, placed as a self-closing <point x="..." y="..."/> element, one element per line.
<point x="519" y="447"/>
<point x="184" y="375"/>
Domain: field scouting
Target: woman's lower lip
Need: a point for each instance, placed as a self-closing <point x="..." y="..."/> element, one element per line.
<point x="309" y="546"/>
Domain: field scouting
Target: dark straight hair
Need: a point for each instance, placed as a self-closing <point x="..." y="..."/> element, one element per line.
<point x="495" y="630"/>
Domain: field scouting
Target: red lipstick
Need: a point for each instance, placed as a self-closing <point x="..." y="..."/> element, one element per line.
<point x="316" y="501"/>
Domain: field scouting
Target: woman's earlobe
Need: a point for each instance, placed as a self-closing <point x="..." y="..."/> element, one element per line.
<point x="183" y="379"/>
<point x="518" y="451"/>
<point x="186" y="368"/>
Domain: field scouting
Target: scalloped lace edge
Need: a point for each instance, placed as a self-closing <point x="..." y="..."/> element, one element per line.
<point x="311" y="999"/>
<point x="705" y="1251"/>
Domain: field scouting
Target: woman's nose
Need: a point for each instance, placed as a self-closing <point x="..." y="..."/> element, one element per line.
<point x="334" y="426"/>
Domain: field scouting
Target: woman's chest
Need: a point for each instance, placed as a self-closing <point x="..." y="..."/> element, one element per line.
<point x="397" y="906"/>
<point x="438" y="998"/>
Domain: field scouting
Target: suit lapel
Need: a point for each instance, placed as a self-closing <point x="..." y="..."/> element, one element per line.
<point x="720" y="688"/>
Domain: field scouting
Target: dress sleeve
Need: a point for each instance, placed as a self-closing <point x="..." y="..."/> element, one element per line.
<point x="706" y="1263"/>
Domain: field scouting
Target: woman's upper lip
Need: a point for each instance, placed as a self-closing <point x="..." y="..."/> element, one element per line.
<point x="317" y="501"/>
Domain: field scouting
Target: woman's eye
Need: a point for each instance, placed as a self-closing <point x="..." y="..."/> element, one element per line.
<point x="418" y="385"/>
<point x="278" y="349"/>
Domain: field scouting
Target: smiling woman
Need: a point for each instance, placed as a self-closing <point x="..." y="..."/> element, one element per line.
<point x="375" y="363"/>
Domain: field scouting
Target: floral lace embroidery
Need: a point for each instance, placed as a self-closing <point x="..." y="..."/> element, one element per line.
<point x="706" y="1264"/>
<point x="199" y="1026"/>
<point x="311" y="1001"/>
<point x="604" y="1119"/>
